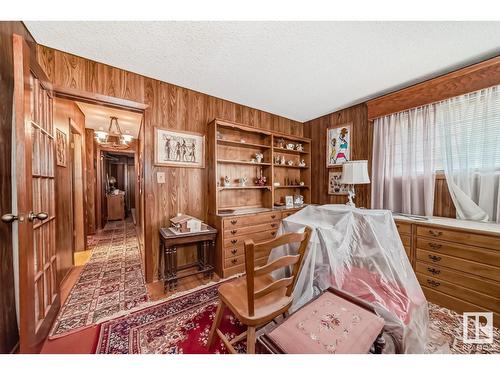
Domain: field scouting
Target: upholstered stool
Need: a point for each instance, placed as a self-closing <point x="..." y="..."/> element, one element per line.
<point x="333" y="323"/>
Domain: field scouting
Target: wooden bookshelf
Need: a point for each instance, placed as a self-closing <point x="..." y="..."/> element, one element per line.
<point x="231" y="148"/>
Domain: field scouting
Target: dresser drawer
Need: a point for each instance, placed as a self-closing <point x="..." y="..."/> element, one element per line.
<point x="459" y="278"/>
<point x="456" y="304"/>
<point x="405" y="239"/>
<point x="461" y="237"/>
<point x="232" y="268"/>
<point x="468" y="295"/>
<point x="491" y="257"/>
<point x="234" y="251"/>
<point x="289" y="213"/>
<point x="229" y="233"/>
<point x="235" y="261"/>
<point x="243" y="221"/>
<point x="408" y="252"/>
<point x="403" y="228"/>
<point x="256" y="237"/>
<point x="475" y="268"/>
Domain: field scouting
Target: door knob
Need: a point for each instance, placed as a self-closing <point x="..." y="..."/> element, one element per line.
<point x="9" y="218"/>
<point x="40" y="216"/>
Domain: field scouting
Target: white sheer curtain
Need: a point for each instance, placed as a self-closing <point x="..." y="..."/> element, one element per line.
<point x="403" y="165"/>
<point x="469" y="135"/>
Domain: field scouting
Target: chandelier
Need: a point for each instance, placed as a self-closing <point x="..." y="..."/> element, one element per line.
<point x="102" y="136"/>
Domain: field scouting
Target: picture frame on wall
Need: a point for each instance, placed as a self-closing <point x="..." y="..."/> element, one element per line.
<point x="178" y="148"/>
<point x="334" y="186"/>
<point x="61" y="148"/>
<point x="338" y="145"/>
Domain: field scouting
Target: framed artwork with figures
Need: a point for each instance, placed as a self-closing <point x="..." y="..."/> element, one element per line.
<point x="338" y="145"/>
<point x="176" y="148"/>
<point x="334" y="186"/>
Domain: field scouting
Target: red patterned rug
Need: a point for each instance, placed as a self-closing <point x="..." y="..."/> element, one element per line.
<point x="180" y="325"/>
<point x="110" y="282"/>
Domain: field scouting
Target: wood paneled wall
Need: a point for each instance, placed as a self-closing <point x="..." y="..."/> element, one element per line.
<point x="90" y="161"/>
<point x="361" y="139"/>
<point x="8" y="322"/>
<point x="64" y="110"/>
<point x="169" y="106"/>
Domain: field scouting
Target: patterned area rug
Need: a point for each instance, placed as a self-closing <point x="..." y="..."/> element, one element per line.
<point x="111" y="281"/>
<point x="450" y="325"/>
<point x="180" y="325"/>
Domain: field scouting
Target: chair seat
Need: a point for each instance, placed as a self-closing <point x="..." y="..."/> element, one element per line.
<point x="234" y="295"/>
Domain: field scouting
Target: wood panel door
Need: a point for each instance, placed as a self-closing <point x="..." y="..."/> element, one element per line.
<point x="39" y="299"/>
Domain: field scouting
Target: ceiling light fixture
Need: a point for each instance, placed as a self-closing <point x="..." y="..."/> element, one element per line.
<point x="124" y="139"/>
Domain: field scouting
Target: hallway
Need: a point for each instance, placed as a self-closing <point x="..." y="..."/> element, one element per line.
<point x="111" y="281"/>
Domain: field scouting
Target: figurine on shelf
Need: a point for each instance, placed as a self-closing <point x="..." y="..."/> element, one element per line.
<point x="259" y="156"/>
<point x="301" y="183"/>
<point x="302" y="163"/>
<point x="261" y="179"/>
<point x="290" y="146"/>
<point x="280" y="143"/>
<point x="242" y="140"/>
<point x="298" y="200"/>
<point x="290" y="163"/>
<point x="276" y="184"/>
<point x="227" y="181"/>
<point x="277" y="160"/>
<point x="299" y="147"/>
<point x="243" y="181"/>
<point x="219" y="135"/>
<point x="282" y="161"/>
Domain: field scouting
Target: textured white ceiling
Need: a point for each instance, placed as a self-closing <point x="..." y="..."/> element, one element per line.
<point x="300" y="70"/>
<point x="97" y="117"/>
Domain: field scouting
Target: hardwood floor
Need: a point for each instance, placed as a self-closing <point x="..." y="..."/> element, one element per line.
<point x="155" y="290"/>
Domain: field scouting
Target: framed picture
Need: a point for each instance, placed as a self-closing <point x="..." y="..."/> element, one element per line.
<point x="334" y="186"/>
<point x="61" y="148"/>
<point x="289" y="201"/>
<point x="179" y="148"/>
<point x="338" y="145"/>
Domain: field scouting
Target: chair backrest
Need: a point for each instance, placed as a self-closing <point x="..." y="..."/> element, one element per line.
<point x="255" y="251"/>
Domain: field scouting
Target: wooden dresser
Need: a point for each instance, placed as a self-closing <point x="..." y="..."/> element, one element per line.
<point x="456" y="262"/>
<point x="235" y="229"/>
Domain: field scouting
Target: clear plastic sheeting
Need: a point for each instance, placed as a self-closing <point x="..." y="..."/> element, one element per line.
<point x="359" y="251"/>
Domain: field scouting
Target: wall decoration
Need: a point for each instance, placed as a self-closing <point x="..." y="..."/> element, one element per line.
<point x="179" y="148"/>
<point x="61" y="148"/>
<point x="334" y="187"/>
<point x="338" y="145"/>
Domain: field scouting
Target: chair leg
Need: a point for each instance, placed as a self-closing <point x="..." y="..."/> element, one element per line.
<point x="215" y="324"/>
<point x="251" y="340"/>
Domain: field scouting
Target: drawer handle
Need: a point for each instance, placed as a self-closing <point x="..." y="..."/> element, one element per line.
<point x="234" y="241"/>
<point x="234" y="251"/>
<point x="273" y="233"/>
<point x="234" y="231"/>
<point x="273" y="216"/>
<point x="274" y="225"/>
<point x="434" y="258"/>
<point x="435" y="246"/>
<point x="397" y="225"/>
<point x="234" y="221"/>
<point x="234" y="261"/>
<point x="433" y="271"/>
<point x="435" y="233"/>
<point x="433" y="283"/>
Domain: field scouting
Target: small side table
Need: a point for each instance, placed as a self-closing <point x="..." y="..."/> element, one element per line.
<point x="169" y="244"/>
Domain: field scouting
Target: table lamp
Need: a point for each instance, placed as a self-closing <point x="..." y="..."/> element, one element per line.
<point x="353" y="173"/>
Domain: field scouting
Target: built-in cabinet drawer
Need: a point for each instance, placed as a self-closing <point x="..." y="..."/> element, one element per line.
<point x="458" y="291"/>
<point x="474" y="268"/>
<point x="249" y="220"/>
<point x="461" y="237"/>
<point x="229" y="233"/>
<point x="460" y="278"/>
<point x="256" y="237"/>
<point x="403" y="228"/>
<point x="472" y="253"/>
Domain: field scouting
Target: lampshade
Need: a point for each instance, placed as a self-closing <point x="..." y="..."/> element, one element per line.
<point x="355" y="172"/>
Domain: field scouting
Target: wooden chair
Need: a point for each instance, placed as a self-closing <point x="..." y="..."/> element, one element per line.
<point x="258" y="298"/>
